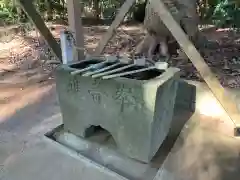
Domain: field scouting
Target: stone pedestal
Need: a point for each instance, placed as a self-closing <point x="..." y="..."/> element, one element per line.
<point x="137" y="113"/>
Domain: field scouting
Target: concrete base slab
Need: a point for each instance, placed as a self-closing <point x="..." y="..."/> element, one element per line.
<point x="95" y="158"/>
<point x="198" y="98"/>
<point x="198" y="148"/>
<point x="205" y="101"/>
<point x="102" y="150"/>
<point x="199" y="153"/>
<point x="45" y="161"/>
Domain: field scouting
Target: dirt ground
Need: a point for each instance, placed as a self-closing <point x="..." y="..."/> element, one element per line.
<point x="25" y="57"/>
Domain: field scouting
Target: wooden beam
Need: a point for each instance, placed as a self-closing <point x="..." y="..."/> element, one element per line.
<point x="75" y="26"/>
<point x="34" y="16"/>
<point x="115" y="24"/>
<point x="220" y="93"/>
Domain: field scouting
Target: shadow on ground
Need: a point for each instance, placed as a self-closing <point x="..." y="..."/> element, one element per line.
<point x="190" y="152"/>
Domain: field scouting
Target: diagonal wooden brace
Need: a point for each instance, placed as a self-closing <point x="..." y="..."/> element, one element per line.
<point x="224" y="97"/>
<point x="34" y="16"/>
<point x="111" y="30"/>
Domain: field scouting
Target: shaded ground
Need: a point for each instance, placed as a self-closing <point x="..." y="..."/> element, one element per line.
<point x="27" y="56"/>
<point x="199" y="153"/>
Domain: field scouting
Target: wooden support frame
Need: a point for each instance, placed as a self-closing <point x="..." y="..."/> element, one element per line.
<point x="35" y="17"/>
<point x="219" y="92"/>
<point x="75" y="26"/>
<point x="115" y="24"/>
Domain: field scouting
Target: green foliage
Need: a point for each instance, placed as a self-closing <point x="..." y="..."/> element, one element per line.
<point x="206" y="8"/>
<point x="7" y="11"/>
<point x="139" y="11"/>
<point x="109" y="7"/>
<point x="227" y="14"/>
<point x="224" y="13"/>
<point x="10" y="11"/>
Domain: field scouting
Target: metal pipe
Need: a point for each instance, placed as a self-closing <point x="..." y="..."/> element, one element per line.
<point x="128" y="73"/>
<point x="94" y="66"/>
<point x="101" y="70"/>
<point x="113" y="71"/>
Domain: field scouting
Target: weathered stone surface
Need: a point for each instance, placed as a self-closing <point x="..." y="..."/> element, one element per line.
<point x="137" y="113"/>
<point x="186" y="96"/>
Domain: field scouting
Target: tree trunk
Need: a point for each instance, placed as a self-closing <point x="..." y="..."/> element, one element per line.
<point x="96" y="9"/>
<point x="183" y="11"/>
<point x="49" y="12"/>
<point x="20" y="12"/>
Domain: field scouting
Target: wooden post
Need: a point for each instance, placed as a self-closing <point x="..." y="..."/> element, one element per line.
<point x="223" y="97"/>
<point x="75" y="25"/>
<point x="111" y="30"/>
<point x="34" y="16"/>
